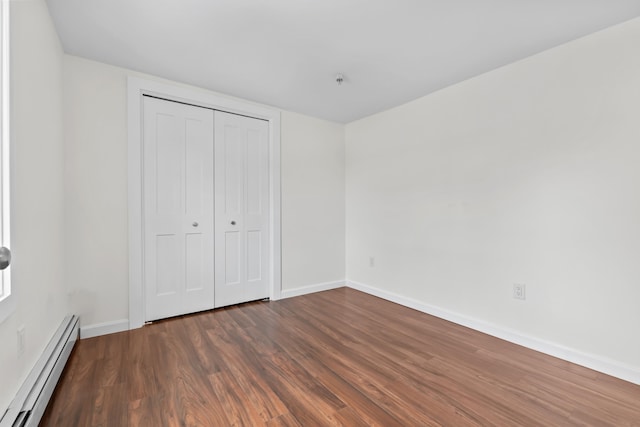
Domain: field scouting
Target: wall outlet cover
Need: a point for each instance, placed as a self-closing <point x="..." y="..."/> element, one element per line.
<point x="21" y="340"/>
<point x="519" y="291"/>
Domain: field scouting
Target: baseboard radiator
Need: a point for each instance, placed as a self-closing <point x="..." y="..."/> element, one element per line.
<point x="29" y="405"/>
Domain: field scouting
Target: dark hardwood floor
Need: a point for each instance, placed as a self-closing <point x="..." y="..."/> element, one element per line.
<point x="339" y="357"/>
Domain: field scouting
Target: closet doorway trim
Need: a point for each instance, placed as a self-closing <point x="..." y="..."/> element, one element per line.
<point x="136" y="89"/>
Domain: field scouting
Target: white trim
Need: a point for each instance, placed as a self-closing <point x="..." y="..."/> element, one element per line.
<point x="105" y="328"/>
<point x="7" y="294"/>
<point x="310" y="289"/>
<point x="138" y="87"/>
<point x="597" y="363"/>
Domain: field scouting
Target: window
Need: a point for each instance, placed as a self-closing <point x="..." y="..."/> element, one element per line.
<point x="6" y="297"/>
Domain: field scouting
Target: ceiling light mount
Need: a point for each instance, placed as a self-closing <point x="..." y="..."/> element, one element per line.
<point x="339" y="79"/>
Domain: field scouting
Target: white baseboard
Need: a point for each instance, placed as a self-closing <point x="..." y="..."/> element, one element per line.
<point x="105" y="328"/>
<point x="309" y="289"/>
<point x="597" y="363"/>
<point x="112" y="327"/>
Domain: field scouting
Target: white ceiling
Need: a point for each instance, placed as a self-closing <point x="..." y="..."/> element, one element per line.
<point x="286" y="53"/>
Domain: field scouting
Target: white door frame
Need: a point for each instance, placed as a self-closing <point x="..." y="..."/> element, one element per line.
<point x="136" y="89"/>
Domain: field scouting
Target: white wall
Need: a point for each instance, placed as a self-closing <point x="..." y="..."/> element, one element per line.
<point x="95" y="109"/>
<point x="37" y="193"/>
<point x="527" y="174"/>
<point x="95" y="119"/>
<point x="313" y="198"/>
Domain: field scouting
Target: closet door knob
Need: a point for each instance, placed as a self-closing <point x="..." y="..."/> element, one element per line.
<point x="233" y="223"/>
<point x="195" y="224"/>
<point x="5" y="258"/>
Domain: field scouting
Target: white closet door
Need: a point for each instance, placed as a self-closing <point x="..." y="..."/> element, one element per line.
<point x="242" y="209"/>
<point x="178" y="208"/>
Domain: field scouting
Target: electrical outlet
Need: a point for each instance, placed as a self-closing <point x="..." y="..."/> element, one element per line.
<point x="21" y="340"/>
<point x="372" y="261"/>
<point x="519" y="291"/>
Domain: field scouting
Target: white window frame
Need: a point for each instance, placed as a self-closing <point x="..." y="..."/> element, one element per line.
<point x="7" y="294"/>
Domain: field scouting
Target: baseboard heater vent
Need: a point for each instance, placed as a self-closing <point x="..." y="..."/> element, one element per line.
<point x="29" y="405"/>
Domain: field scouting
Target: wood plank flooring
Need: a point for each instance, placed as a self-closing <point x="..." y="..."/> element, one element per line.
<point x="333" y="358"/>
